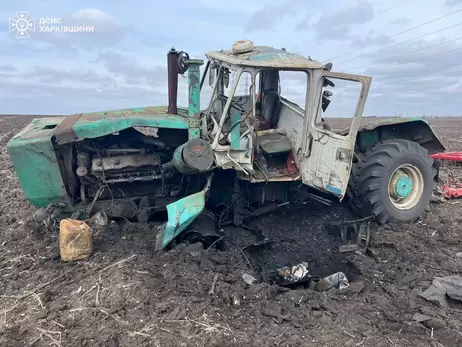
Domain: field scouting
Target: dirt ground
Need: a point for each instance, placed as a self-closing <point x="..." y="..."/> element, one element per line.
<point x="128" y="295"/>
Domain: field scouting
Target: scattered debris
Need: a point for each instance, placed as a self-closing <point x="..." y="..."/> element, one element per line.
<point x="337" y="280"/>
<point x="99" y="219"/>
<point x="236" y="301"/>
<point x="41" y="215"/>
<point x="293" y="274"/>
<point x="214" y="283"/>
<point x="249" y="279"/>
<point x="45" y="217"/>
<point x="144" y="290"/>
<point x="347" y="248"/>
<point x="75" y="240"/>
<point x="442" y="286"/>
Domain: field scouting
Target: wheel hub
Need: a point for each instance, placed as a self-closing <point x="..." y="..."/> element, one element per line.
<point x="403" y="186"/>
<point x="406" y="187"/>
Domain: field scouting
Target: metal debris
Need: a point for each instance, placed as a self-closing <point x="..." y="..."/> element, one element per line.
<point x="337" y="280"/>
<point x="361" y="228"/>
<point x="100" y="218"/>
<point x="441" y="287"/>
<point x="293" y="274"/>
<point x="45" y="217"/>
<point x="249" y="279"/>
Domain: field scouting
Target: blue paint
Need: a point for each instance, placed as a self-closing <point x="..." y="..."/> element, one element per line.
<point x="403" y="186"/>
<point x="180" y="215"/>
<point x="273" y="54"/>
<point x="194" y="96"/>
<point x="236" y="131"/>
<point x="89" y="128"/>
<point x="334" y="190"/>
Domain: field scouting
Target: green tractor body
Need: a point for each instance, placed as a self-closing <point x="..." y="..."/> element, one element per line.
<point x="241" y="151"/>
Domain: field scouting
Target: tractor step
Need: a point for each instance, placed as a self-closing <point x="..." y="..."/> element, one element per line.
<point x="362" y="229"/>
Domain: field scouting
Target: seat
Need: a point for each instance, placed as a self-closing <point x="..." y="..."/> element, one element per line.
<point x="271" y="107"/>
<point x="274" y="143"/>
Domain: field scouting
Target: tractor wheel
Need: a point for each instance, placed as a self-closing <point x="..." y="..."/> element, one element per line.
<point x="393" y="182"/>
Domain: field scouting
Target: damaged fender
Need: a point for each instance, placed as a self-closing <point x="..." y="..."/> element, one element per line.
<point x="181" y="213"/>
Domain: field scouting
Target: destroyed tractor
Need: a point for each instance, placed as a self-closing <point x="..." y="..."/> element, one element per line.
<point x="241" y="155"/>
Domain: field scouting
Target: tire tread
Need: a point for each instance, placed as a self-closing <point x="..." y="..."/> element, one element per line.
<point x="364" y="185"/>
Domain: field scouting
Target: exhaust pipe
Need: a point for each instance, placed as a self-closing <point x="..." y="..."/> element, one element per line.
<point x="172" y="65"/>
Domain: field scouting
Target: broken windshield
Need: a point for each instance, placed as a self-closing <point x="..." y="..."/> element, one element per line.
<point x="223" y="83"/>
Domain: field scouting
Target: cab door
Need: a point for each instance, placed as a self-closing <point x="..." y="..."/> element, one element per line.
<point x="329" y="144"/>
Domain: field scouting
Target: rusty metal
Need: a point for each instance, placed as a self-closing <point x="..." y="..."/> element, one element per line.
<point x="172" y="63"/>
<point x="361" y="227"/>
<point x="194" y="93"/>
<point x="64" y="132"/>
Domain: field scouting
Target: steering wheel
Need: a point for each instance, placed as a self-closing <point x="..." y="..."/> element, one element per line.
<point x="234" y="105"/>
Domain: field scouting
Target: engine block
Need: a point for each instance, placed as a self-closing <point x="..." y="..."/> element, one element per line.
<point x="124" y="163"/>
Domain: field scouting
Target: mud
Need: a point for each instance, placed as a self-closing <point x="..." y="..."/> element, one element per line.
<point x="128" y="295"/>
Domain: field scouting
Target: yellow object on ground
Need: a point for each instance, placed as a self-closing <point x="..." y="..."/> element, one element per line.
<point x="75" y="240"/>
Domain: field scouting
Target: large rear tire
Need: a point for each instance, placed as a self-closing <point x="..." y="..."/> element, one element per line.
<point x="393" y="181"/>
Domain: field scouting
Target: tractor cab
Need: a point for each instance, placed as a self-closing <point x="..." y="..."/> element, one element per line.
<point x="265" y="136"/>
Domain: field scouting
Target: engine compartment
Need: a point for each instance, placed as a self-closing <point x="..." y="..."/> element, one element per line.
<point x="135" y="162"/>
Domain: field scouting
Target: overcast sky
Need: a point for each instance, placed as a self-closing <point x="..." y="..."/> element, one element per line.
<point x="123" y="62"/>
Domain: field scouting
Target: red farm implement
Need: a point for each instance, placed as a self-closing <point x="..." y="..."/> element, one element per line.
<point x="451" y="187"/>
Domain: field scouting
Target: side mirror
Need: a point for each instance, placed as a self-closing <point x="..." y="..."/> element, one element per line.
<point x="328" y="67"/>
<point x="328" y="83"/>
<point x="325" y="104"/>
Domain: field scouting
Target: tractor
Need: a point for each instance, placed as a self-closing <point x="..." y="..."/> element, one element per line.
<point x="245" y="153"/>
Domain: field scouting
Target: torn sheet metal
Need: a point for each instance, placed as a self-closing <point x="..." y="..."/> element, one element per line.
<point x="441" y="287"/>
<point x="337" y="280"/>
<point x="181" y="213"/>
<point x="293" y="274"/>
